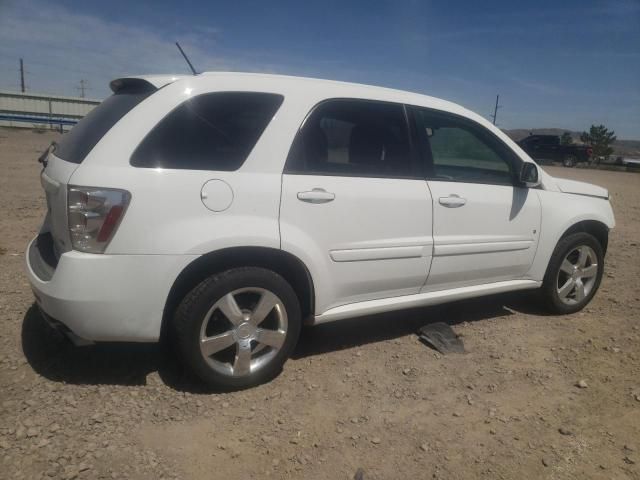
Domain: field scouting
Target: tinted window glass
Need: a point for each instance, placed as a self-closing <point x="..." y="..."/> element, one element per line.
<point x="461" y="150"/>
<point x="75" y="145"/>
<point x="355" y="138"/>
<point x="215" y="131"/>
<point x="549" y="140"/>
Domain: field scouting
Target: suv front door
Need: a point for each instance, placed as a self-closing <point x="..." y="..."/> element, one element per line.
<point x="549" y="148"/>
<point x="355" y="207"/>
<point x="485" y="228"/>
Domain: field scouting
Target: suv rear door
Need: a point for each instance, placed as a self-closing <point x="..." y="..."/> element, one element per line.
<point x="355" y="206"/>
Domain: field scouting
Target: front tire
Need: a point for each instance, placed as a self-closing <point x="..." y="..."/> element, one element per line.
<point x="574" y="273"/>
<point x="237" y="328"/>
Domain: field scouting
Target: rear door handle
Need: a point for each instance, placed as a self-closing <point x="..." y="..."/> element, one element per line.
<point x="452" y="201"/>
<point x="317" y="195"/>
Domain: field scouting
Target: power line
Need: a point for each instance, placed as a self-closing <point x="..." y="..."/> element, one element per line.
<point x="495" y="110"/>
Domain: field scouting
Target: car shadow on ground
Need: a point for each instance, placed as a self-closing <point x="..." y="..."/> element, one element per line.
<point x="51" y="355"/>
<point x="357" y="332"/>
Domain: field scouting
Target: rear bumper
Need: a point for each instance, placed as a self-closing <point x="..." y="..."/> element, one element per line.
<point x="106" y="297"/>
<point x="62" y="328"/>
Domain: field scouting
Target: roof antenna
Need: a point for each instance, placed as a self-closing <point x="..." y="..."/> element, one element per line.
<point x="186" y="58"/>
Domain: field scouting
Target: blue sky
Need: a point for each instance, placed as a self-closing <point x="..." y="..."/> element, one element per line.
<point x="555" y="64"/>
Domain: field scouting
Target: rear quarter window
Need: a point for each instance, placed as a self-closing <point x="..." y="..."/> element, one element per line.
<point x="214" y="131"/>
<point x="75" y="145"/>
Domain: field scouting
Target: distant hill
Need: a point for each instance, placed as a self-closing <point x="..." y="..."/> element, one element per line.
<point x="626" y="148"/>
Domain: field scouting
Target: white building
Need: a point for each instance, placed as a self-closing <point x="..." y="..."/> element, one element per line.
<point x="32" y="110"/>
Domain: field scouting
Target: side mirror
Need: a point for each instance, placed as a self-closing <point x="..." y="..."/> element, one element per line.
<point x="529" y="175"/>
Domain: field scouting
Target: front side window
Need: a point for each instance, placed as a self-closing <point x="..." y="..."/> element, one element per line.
<point x="346" y="137"/>
<point x="214" y="131"/>
<point x="461" y="150"/>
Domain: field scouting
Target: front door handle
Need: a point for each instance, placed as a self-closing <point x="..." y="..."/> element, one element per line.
<point x="452" y="201"/>
<point x="317" y="195"/>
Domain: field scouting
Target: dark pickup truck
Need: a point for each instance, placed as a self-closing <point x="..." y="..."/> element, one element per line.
<point x="549" y="148"/>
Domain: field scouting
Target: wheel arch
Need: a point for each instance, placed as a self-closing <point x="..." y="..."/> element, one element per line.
<point x="594" y="227"/>
<point x="290" y="267"/>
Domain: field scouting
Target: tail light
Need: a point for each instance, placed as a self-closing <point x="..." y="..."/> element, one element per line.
<point x="589" y="151"/>
<point x="93" y="215"/>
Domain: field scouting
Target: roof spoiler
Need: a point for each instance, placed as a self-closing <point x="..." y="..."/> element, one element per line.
<point x="131" y="84"/>
<point x="143" y="84"/>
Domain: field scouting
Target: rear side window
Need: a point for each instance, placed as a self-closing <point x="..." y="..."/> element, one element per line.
<point x="75" y="145"/>
<point x="550" y="140"/>
<point x="345" y="137"/>
<point x="214" y="131"/>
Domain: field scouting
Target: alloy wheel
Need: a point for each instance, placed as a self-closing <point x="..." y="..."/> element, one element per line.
<point x="243" y="331"/>
<point x="577" y="275"/>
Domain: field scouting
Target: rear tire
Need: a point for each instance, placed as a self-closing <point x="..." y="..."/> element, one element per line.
<point x="237" y="328"/>
<point x="574" y="273"/>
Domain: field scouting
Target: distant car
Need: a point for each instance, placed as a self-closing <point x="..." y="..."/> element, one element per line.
<point x="628" y="162"/>
<point x="220" y="211"/>
<point x="548" y="147"/>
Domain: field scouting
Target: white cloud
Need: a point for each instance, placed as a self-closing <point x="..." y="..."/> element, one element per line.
<point x="540" y="87"/>
<point x="60" y="47"/>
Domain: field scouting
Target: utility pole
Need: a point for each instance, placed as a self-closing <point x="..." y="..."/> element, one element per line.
<point x="495" y="110"/>
<point x="22" y="89"/>
<point x="83" y="86"/>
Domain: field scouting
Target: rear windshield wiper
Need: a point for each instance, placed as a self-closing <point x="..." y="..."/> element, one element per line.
<point x="43" y="158"/>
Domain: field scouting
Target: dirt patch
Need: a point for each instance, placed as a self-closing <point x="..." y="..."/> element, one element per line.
<point x="357" y="394"/>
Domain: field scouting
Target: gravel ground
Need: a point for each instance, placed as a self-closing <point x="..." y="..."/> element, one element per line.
<point x="536" y="396"/>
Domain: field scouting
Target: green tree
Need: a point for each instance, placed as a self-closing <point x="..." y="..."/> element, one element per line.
<point x="600" y="139"/>
<point x="566" y="139"/>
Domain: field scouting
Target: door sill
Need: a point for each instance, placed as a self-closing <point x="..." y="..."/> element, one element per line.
<point x="371" y="307"/>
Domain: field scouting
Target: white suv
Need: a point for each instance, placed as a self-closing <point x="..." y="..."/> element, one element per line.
<point x="222" y="210"/>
